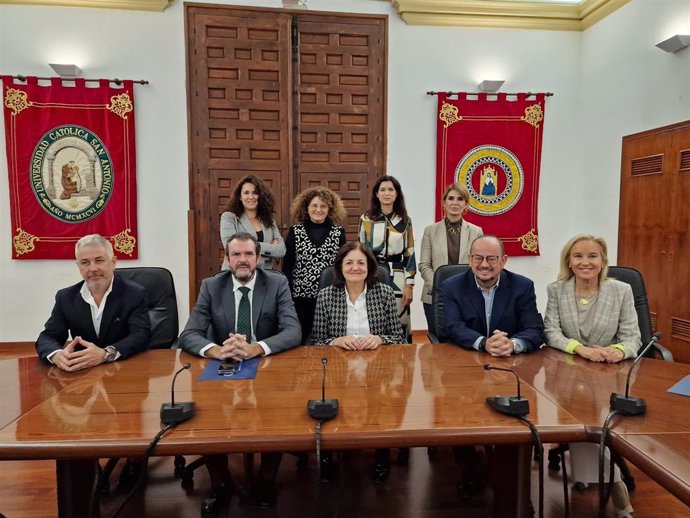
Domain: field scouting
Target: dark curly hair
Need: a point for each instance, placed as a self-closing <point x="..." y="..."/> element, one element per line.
<point x="300" y="205"/>
<point x="372" y="265"/>
<point x="265" y="205"/>
<point x="398" y="205"/>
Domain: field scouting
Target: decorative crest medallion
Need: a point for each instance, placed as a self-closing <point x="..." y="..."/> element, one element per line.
<point x="120" y="105"/>
<point x="449" y="114"/>
<point x="16" y="100"/>
<point x="24" y="242"/>
<point x="124" y="242"/>
<point x="533" y="115"/>
<point x="530" y="241"/>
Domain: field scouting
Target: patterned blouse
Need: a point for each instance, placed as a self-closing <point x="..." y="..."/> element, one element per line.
<point x="311" y="259"/>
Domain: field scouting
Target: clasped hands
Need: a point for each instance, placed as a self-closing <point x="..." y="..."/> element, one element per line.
<point x="600" y="354"/>
<point x="78" y="354"/>
<point x="358" y="343"/>
<point x="236" y="347"/>
<point x="498" y="344"/>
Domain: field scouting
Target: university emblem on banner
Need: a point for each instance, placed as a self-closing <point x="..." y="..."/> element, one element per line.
<point x="71" y="174"/>
<point x="71" y="165"/>
<point x="494" y="177"/>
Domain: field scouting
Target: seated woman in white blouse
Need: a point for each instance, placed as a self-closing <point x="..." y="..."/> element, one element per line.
<point x="357" y="313"/>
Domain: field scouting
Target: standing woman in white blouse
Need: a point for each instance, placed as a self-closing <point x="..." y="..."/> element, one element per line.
<point x="251" y="210"/>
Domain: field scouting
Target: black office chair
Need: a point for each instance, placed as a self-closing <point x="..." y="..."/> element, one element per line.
<point x="438" y="334"/>
<point x="635" y="280"/>
<point x="161" y="302"/>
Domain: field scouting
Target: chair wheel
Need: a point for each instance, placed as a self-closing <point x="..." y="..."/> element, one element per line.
<point x="180" y="465"/>
<point x="580" y="486"/>
<point x="554" y="461"/>
<point x="187" y="481"/>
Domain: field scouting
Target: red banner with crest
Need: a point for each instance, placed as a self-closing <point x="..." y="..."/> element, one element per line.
<point x="71" y="164"/>
<point x="491" y="143"/>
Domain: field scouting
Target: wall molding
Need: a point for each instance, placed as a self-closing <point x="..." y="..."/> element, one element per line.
<point x="506" y="14"/>
<point x="132" y="5"/>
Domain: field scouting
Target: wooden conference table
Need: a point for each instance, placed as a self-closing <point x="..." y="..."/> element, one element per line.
<point x="408" y="395"/>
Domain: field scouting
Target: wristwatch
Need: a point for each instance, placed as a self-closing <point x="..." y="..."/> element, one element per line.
<point x="110" y="354"/>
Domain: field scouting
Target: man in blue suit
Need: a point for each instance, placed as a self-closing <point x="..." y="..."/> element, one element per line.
<point x="489" y="308"/>
<point x="242" y="313"/>
<point x="105" y="315"/>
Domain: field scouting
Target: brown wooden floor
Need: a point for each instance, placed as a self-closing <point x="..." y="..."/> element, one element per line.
<point x="424" y="488"/>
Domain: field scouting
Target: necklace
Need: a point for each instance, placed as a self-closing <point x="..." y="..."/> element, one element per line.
<point x="453" y="228"/>
<point x="585" y="300"/>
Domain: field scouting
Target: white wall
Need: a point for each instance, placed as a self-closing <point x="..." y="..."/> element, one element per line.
<point x="581" y="139"/>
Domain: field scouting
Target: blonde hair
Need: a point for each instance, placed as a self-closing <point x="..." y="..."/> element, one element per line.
<point x="464" y="191"/>
<point x="566" y="273"/>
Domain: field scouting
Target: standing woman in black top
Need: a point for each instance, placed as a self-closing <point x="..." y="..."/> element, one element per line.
<point x="311" y="246"/>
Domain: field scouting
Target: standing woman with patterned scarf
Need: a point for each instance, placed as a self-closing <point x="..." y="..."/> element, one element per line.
<point x="386" y="230"/>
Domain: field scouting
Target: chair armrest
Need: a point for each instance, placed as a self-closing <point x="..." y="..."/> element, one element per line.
<point x="666" y="355"/>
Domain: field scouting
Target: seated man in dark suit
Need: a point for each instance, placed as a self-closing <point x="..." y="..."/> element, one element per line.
<point x="242" y="313"/>
<point x="105" y="315"/>
<point x="489" y="309"/>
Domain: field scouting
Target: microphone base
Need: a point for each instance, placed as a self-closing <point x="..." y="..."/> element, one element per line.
<point x="322" y="409"/>
<point x="509" y="405"/>
<point x="628" y="405"/>
<point x="177" y="413"/>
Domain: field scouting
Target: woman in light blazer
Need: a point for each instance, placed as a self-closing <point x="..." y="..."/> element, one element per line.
<point x="592" y="316"/>
<point x="447" y="241"/>
<point x="251" y="210"/>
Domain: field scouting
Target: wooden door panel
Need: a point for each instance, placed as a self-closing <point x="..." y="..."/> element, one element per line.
<point x="295" y="98"/>
<point x="341" y="84"/>
<point x="654" y="226"/>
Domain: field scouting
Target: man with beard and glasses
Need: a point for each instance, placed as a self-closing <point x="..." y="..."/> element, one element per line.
<point x="242" y="313"/>
<point x="493" y="310"/>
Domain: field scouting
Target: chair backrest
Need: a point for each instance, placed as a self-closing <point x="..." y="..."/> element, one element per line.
<point x="161" y="302"/>
<point x="634" y="278"/>
<point x="327" y="276"/>
<point x="443" y="273"/>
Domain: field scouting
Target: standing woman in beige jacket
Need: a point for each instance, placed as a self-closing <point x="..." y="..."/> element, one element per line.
<point x="447" y="241"/>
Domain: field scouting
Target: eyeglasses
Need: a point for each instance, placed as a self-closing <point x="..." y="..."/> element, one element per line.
<point x="479" y="259"/>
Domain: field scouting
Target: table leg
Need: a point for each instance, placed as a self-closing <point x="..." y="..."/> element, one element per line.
<point x="511" y="481"/>
<point x="75" y="482"/>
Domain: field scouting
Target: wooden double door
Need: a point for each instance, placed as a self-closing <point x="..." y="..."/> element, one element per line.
<point x="654" y="226"/>
<point x="296" y="98"/>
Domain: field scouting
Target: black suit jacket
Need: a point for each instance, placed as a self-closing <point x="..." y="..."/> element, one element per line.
<point x="514" y="310"/>
<point x="125" y="323"/>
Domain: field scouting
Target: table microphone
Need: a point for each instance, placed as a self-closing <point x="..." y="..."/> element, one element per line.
<point x="516" y="406"/>
<point x="323" y="409"/>
<point x="172" y="413"/>
<point x="626" y="404"/>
